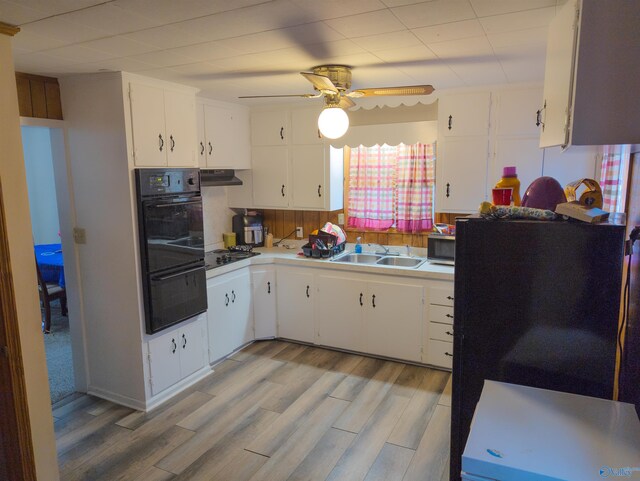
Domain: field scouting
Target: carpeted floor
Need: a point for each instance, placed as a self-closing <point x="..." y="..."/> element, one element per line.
<point x="57" y="345"/>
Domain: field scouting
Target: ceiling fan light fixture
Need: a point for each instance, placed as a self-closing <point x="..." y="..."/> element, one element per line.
<point x="333" y="122"/>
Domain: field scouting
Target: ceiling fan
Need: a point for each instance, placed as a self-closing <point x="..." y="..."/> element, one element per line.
<point x="334" y="81"/>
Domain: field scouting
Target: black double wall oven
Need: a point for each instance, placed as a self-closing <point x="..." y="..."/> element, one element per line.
<point x="171" y="246"/>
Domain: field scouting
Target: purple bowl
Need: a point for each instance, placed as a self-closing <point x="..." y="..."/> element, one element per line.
<point x="544" y="193"/>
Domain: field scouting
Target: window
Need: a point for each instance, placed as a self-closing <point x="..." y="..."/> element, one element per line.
<point x="613" y="176"/>
<point x="391" y="187"/>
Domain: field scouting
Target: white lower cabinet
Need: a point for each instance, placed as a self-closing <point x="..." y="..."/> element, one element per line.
<point x="176" y="354"/>
<point x="394" y="319"/>
<point x="230" y="313"/>
<point x="296" y="297"/>
<point x="342" y="327"/>
<point x="377" y="317"/>
<point x="438" y="326"/>
<point x="263" y="280"/>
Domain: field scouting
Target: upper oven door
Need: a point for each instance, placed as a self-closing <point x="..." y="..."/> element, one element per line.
<point x="172" y="232"/>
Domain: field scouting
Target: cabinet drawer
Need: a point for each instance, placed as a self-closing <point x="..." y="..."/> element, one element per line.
<point x="442" y="296"/>
<point x="441" y="314"/>
<point x="440" y="353"/>
<point x="441" y="332"/>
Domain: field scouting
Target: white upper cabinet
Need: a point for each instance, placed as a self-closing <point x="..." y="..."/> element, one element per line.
<point x="147" y="118"/>
<point x="463" y="115"/>
<point x="296" y="170"/>
<point x="270" y="128"/>
<point x="461" y="174"/>
<point x="516" y="112"/>
<point x="270" y="177"/>
<point x="180" y="114"/>
<point x="164" y="126"/>
<point x="591" y="74"/>
<point x="223" y="137"/>
<point x="308" y="182"/>
<point x="304" y="127"/>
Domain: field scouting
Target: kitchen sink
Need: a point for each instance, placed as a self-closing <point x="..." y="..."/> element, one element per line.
<point x="400" y="261"/>
<point x="380" y="260"/>
<point x="358" y="258"/>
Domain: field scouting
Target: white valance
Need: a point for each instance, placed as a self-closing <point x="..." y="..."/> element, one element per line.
<point x="390" y="134"/>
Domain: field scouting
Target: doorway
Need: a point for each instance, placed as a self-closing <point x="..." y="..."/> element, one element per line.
<point x="52" y="214"/>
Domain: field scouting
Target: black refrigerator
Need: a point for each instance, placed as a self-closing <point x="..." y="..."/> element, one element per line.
<point x="536" y="303"/>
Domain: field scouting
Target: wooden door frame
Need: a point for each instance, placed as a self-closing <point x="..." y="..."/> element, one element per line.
<point x="15" y="426"/>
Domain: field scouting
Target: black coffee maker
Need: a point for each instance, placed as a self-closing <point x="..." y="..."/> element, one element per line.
<point x="249" y="230"/>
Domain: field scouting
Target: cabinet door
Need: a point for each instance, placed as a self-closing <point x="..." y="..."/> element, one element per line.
<point x="308" y="181"/>
<point x="516" y="113"/>
<point x="164" y="361"/>
<point x="180" y="118"/>
<point x="219" y="318"/>
<point x="148" y="124"/>
<point x="558" y="76"/>
<point x="342" y="327"/>
<point x="264" y="302"/>
<point x="270" y="178"/>
<point x="304" y="127"/>
<point x="296" y="298"/>
<point x="218" y="130"/>
<point x="393" y="324"/>
<point x="242" y="309"/>
<point x="464" y="114"/>
<point x="523" y="153"/>
<point x="462" y="174"/>
<point x="192" y="340"/>
<point x="270" y="128"/>
<point x="201" y="146"/>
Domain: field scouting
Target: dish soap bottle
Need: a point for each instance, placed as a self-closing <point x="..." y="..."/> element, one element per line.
<point x="510" y="181"/>
<point x="359" y="245"/>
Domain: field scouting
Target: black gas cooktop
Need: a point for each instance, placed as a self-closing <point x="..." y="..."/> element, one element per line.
<point x="222" y="257"/>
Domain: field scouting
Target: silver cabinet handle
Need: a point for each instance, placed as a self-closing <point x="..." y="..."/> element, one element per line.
<point x="226" y="299"/>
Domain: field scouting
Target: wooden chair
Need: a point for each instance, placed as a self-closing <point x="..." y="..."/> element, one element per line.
<point x="50" y="291"/>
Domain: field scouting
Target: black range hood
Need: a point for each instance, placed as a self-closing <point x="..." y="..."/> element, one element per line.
<point x="217" y="177"/>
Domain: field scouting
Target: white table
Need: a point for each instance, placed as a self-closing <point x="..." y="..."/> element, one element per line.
<point x="525" y="434"/>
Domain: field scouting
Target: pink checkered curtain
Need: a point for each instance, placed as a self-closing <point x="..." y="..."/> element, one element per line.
<point x="416" y="179"/>
<point x="371" y="187"/>
<point x="613" y="176"/>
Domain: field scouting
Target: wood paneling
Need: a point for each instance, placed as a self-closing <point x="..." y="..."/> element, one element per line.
<point x="38" y="96"/>
<point x="221" y="428"/>
<point x="283" y="222"/>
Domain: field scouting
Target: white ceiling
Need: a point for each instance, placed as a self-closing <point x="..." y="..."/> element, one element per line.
<point x="230" y="48"/>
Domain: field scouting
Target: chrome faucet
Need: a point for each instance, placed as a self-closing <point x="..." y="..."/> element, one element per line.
<point x="385" y="250"/>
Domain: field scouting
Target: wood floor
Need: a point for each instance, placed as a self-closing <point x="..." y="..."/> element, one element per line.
<point x="274" y="411"/>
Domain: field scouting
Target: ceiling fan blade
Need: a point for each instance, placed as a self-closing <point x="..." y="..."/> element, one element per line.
<point x="320" y="82"/>
<point x="378" y="92"/>
<point x="346" y="103"/>
<point x="306" y="96"/>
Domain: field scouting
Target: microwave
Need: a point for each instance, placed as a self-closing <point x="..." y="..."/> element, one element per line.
<point x="441" y="249"/>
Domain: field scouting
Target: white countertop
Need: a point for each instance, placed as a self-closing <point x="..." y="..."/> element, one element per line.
<point x="283" y="256"/>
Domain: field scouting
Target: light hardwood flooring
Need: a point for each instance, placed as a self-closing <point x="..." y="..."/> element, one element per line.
<point x="274" y="411"/>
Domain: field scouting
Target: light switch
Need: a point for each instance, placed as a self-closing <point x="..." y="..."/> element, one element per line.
<point x="79" y="235"/>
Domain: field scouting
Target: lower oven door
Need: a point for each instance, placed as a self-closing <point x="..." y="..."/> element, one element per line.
<point x="175" y="296"/>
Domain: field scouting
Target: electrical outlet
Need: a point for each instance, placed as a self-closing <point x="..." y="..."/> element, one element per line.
<point x="299" y="232"/>
<point x="341" y="219"/>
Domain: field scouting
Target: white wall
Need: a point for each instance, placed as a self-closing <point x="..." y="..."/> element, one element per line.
<point x="43" y="205"/>
<point x="217" y="216"/>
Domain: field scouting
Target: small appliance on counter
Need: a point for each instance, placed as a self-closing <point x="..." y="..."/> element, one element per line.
<point x="249" y="230"/>
<point x="441" y="249"/>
